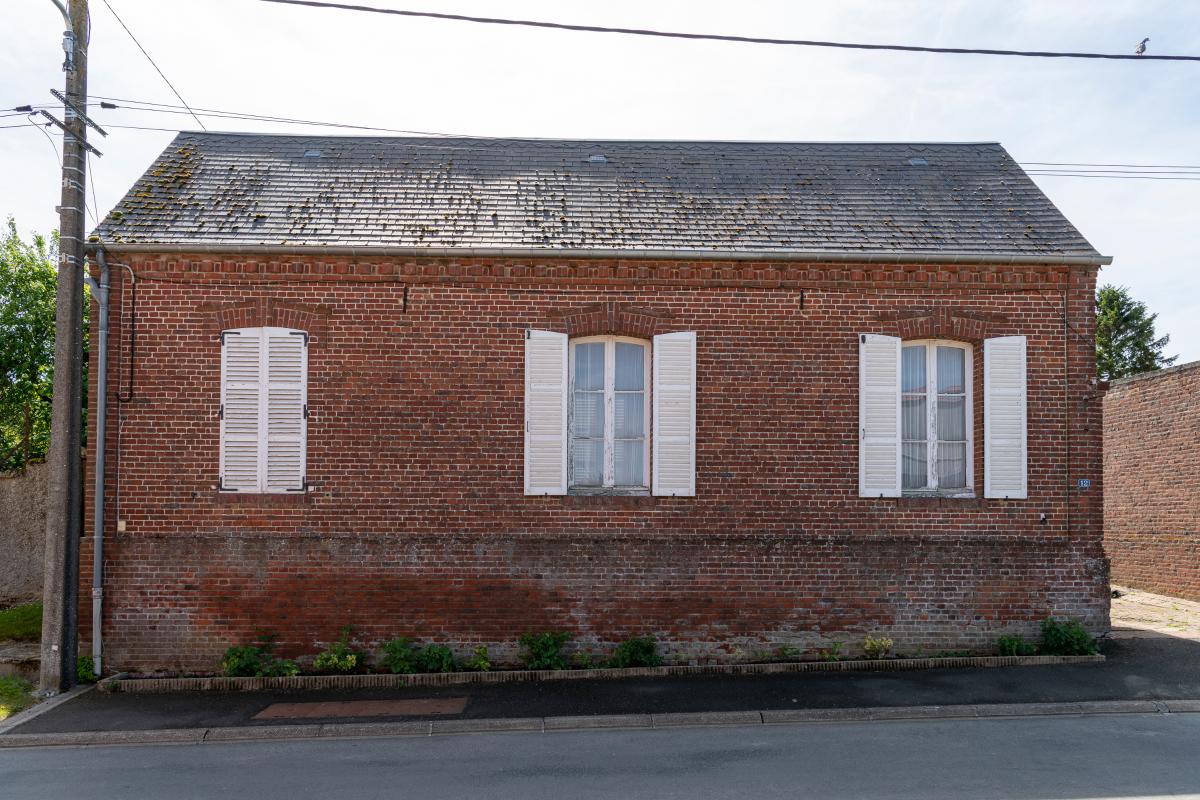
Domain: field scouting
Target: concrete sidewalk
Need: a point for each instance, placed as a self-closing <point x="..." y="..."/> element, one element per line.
<point x="1153" y="665"/>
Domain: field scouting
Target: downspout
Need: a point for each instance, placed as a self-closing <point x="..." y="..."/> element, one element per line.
<point x="101" y="294"/>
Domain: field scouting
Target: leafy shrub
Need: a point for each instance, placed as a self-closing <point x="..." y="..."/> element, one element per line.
<point x="257" y="661"/>
<point x="15" y="695"/>
<point x="21" y="623"/>
<point x="584" y="659"/>
<point x="340" y="657"/>
<point x="877" y="647"/>
<point x="1015" y="646"/>
<point x="479" y="661"/>
<point x="544" y="650"/>
<point x="85" y="669"/>
<point x="436" y="658"/>
<point x="831" y="653"/>
<point x="1066" y="638"/>
<point x="788" y="652"/>
<point x="400" y="656"/>
<point x="640" y="651"/>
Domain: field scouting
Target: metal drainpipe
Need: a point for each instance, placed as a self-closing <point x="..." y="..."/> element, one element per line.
<point x="98" y="500"/>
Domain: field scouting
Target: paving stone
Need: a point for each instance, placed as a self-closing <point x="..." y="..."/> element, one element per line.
<point x="477" y="725"/>
<point x="708" y="718"/>
<point x="263" y="732"/>
<point x="600" y="721"/>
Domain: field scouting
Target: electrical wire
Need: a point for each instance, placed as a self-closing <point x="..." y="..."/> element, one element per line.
<point x="1049" y="169"/>
<point x="562" y="26"/>
<point x="152" y="62"/>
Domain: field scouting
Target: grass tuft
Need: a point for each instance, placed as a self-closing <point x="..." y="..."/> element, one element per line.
<point x="21" y="623"/>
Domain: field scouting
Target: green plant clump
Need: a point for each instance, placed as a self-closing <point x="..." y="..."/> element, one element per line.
<point x="831" y="653"/>
<point x="436" y="658"/>
<point x="15" y="695"/>
<point x="257" y="661"/>
<point x="788" y="652"/>
<point x="340" y="657"/>
<point x="21" y="623"/>
<point x="479" y="662"/>
<point x="1066" y="638"/>
<point x="544" y="650"/>
<point x="85" y="669"/>
<point x="1015" y="646"/>
<point x="877" y="647"/>
<point x="640" y="651"/>
<point x="400" y="656"/>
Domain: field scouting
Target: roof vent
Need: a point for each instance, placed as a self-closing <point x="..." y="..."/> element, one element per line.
<point x="312" y="153"/>
<point x="918" y="162"/>
<point x="597" y="159"/>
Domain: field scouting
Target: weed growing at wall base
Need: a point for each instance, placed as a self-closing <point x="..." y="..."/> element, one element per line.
<point x="544" y="650"/>
<point x="1066" y="637"/>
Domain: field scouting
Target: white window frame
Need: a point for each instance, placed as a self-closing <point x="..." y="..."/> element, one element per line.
<point x="931" y="394"/>
<point x="610" y="361"/>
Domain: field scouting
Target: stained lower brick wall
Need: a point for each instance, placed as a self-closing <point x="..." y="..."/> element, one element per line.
<point x="1152" y="475"/>
<point x="416" y="524"/>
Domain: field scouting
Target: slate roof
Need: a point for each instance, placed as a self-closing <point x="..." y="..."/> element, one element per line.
<point x="246" y="190"/>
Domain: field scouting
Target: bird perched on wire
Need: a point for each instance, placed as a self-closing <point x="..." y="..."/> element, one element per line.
<point x="1141" y="48"/>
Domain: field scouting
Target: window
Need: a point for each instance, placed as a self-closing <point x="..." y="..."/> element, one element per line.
<point x="609" y="413"/>
<point x="935" y="417"/>
<point x="917" y="419"/>
<point x="264" y="408"/>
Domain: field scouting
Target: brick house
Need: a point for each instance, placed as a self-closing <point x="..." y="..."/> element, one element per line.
<point x="1152" y="475"/>
<point x="733" y="395"/>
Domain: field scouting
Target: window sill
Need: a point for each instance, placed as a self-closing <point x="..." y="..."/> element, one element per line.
<point x="935" y="494"/>
<point x="608" y="491"/>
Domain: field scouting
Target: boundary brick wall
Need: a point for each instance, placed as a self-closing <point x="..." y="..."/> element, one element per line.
<point x="1152" y="471"/>
<point x="416" y="523"/>
<point x="23" y="534"/>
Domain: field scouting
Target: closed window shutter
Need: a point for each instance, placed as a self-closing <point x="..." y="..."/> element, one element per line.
<point x="674" y="402"/>
<point x="879" y="415"/>
<point x="241" y="409"/>
<point x="286" y="363"/>
<point x="1004" y="418"/>
<point x="545" y="412"/>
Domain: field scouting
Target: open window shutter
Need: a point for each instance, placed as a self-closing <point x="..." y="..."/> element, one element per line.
<point x="674" y="398"/>
<point x="286" y="362"/>
<point x="1004" y="423"/>
<point x="241" y="407"/>
<point x="879" y="415"/>
<point x="545" y="412"/>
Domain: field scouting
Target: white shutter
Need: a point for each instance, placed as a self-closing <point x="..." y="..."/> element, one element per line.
<point x="285" y="360"/>
<point x="545" y="412"/>
<point x="878" y="415"/>
<point x="1004" y="418"/>
<point x="241" y="409"/>
<point x="674" y="400"/>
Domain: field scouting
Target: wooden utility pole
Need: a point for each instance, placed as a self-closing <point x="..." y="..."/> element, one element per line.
<point x="64" y="507"/>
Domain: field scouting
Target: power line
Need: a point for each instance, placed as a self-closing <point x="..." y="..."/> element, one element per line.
<point x="1051" y="169"/>
<point x="152" y="62"/>
<point x="715" y="37"/>
<point x="1139" y="166"/>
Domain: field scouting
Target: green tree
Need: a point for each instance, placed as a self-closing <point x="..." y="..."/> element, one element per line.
<point x="1125" y="343"/>
<point x="28" y="282"/>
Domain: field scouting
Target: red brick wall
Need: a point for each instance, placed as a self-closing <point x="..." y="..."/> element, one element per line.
<point x="416" y="523"/>
<point x="1152" y="471"/>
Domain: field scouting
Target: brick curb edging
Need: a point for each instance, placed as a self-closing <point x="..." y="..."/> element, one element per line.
<point x="425" y="728"/>
<point x="380" y="681"/>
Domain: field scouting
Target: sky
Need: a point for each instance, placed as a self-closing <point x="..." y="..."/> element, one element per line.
<point x="450" y="77"/>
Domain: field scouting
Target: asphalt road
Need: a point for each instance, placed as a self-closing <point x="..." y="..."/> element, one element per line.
<point x="1125" y="756"/>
